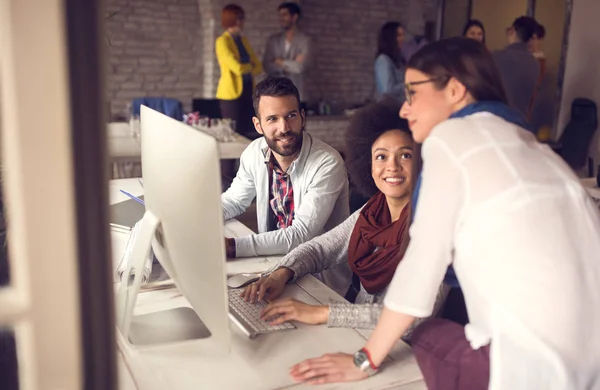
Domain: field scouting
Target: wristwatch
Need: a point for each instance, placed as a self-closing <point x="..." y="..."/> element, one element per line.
<point x="362" y="360"/>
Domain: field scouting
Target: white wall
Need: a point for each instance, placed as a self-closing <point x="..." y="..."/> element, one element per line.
<point x="582" y="72"/>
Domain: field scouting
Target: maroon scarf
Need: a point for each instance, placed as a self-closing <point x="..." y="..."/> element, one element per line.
<point x="374" y="229"/>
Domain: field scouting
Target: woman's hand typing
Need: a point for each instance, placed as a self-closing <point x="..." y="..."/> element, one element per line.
<point x="269" y="287"/>
<point x="293" y="310"/>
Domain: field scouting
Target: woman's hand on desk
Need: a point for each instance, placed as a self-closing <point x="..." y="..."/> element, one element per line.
<point x="329" y="368"/>
<point x="269" y="287"/>
<point x="293" y="310"/>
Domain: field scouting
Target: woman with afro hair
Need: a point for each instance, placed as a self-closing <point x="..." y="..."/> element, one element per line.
<point x="372" y="240"/>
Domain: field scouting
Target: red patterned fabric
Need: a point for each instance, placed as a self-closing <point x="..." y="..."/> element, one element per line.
<point x="377" y="245"/>
<point x="282" y="191"/>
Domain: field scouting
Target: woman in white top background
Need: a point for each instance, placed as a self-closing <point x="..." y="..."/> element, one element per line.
<point x="519" y="229"/>
<point x="389" y="63"/>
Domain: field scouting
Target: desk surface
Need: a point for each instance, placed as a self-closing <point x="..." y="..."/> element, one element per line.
<point x="591" y="185"/>
<point x="233" y="228"/>
<point x="123" y="146"/>
<point x="261" y="363"/>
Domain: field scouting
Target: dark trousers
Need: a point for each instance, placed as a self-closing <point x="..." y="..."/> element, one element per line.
<point x="454" y="308"/>
<point x="241" y="111"/>
<point x="446" y="358"/>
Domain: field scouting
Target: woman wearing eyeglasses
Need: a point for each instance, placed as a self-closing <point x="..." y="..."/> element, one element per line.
<point x="514" y="221"/>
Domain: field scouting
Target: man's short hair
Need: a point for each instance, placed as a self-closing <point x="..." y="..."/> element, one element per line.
<point x="525" y="27"/>
<point x="540" y="31"/>
<point x="292" y="7"/>
<point x="274" y="86"/>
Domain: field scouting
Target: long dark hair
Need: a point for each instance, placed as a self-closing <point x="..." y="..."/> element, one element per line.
<point x="476" y="23"/>
<point x="466" y="60"/>
<point x="387" y="42"/>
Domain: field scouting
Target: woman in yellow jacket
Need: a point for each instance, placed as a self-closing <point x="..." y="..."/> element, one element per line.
<point x="238" y="65"/>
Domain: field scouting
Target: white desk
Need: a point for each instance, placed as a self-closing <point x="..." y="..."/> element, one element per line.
<point x="124" y="148"/>
<point x="591" y="187"/>
<point x="233" y="228"/>
<point x="261" y="363"/>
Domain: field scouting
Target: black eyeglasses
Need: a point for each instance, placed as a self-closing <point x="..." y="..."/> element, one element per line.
<point x="408" y="86"/>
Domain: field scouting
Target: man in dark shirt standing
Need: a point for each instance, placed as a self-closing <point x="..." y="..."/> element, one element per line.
<point x="518" y="68"/>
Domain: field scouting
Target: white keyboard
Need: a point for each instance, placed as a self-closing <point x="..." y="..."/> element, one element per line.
<point x="247" y="316"/>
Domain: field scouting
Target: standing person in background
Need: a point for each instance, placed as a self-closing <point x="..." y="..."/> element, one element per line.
<point x="414" y="42"/>
<point x="474" y="30"/>
<point x="518" y="68"/>
<point x="535" y="46"/>
<point x="238" y="65"/>
<point x="288" y="53"/>
<point x="541" y="107"/>
<point x="389" y="64"/>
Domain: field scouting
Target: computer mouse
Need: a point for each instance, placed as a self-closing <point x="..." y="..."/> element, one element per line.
<point x="241" y="280"/>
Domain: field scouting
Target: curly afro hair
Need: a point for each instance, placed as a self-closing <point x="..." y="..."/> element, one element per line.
<point x="366" y="125"/>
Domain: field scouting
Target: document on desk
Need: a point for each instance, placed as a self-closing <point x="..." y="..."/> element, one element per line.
<point x="126" y="258"/>
<point x="251" y="265"/>
<point x="234" y="229"/>
<point x="127" y="213"/>
<point x="259" y="264"/>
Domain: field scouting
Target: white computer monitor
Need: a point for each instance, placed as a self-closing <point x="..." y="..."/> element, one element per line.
<point x="183" y="224"/>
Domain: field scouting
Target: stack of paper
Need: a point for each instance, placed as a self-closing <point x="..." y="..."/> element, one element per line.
<point x="126" y="258"/>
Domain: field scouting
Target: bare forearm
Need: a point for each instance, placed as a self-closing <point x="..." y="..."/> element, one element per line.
<point x="390" y="328"/>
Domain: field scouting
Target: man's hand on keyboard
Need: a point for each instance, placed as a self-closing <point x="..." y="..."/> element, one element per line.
<point x="269" y="287"/>
<point x="293" y="310"/>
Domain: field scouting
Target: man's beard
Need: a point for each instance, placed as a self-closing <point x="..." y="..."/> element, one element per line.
<point x="289" y="149"/>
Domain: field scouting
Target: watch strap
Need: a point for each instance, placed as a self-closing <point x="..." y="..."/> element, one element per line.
<point x="373" y="366"/>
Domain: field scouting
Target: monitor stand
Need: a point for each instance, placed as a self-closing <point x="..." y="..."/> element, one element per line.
<point x="162" y="327"/>
<point x="168" y="326"/>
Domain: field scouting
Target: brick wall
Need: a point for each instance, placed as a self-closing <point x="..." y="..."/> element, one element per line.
<point x="166" y="47"/>
<point x="345" y="33"/>
<point x="329" y="129"/>
<point x="154" y="47"/>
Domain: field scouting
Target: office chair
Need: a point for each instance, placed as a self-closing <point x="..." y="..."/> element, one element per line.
<point x="207" y="107"/>
<point x="574" y="143"/>
<point x="170" y="107"/>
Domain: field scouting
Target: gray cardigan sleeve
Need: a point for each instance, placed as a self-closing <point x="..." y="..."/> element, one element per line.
<point x="320" y="253"/>
<point x="366" y="316"/>
<point x="351" y="315"/>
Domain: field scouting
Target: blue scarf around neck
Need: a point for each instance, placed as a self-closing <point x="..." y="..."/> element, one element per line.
<point x="497" y="108"/>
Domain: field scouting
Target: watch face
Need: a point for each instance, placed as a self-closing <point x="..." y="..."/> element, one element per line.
<point x="361" y="360"/>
